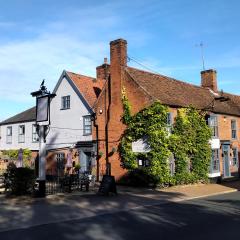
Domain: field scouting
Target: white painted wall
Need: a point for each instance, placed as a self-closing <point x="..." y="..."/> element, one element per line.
<point x="66" y="125"/>
<point x="15" y="144"/>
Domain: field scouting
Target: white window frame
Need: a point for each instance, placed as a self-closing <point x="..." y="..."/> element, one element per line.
<point x="215" y="157"/>
<point x="65" y="102"/>
<point x="87" y="128"/>
<point x="35" y="137"/>
<point x="21" y="134"/>
<point x="213" y="125"/>
<point x="233" y="129"/>
<point x="9" y="135"/>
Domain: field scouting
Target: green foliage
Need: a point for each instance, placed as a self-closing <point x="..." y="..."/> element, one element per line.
<point x="126" y="118"/>
<point x="150" y="123"/>
<point x="13" y="155"/>
<point x="189" y="144"/>
<point x="19" y="181"/>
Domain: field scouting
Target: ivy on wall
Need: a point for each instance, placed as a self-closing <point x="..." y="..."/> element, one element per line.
<point x="188" y="143"/>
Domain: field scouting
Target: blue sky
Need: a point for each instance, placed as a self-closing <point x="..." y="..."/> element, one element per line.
<point x="38" y="39"/>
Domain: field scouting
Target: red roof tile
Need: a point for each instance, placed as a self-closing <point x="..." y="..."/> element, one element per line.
<point x="173" y="92"/>
<point x="89" y="87"/>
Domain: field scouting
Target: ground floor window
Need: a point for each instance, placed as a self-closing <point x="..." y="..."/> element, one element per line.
<point x="142" y="162"/>
<point x="235" y="157"/>
<point x="172" y="164"/>
<point x="60" y="158"/>
<point x="215" y="167"/>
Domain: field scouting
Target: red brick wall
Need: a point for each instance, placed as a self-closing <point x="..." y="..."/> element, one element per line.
<point x="138" y="99"/>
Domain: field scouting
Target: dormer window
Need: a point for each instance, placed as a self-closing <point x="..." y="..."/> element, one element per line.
<point x="65" y="102"/>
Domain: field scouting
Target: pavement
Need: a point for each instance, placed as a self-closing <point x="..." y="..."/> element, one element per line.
<point x="26" y="212"/>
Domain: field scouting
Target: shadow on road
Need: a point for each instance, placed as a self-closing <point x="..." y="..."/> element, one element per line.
<point x="103" y="218"/>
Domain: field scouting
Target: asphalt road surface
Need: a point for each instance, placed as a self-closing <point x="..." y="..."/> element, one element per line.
<point x="215" y="217"/>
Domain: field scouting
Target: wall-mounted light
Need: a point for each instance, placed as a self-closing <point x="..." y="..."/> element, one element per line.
<point x="100" y="111"/>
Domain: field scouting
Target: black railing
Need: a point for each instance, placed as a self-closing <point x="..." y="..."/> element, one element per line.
<point x="68" y="183"/>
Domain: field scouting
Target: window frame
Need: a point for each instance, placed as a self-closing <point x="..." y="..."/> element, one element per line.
<point x="9" y="136"/>
<point x="215" y="158"/>
<point x="65" y="102"/>
<point x="235" y="162"/>
<point x="214" y="127"/>
<point x="21" y="134"/>
<point x="169" y="122"/>
<point x="85" y="131"/>
<point x="234" y="130"/>
<point x="34" y="133"/>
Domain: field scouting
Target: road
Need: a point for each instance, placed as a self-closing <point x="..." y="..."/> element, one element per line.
<point x="215" y="217"/>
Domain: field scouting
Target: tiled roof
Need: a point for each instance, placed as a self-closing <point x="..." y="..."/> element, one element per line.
<point x="173" y="92"/>
<point x="26" y="116"/>
<point x="89" y="87"/>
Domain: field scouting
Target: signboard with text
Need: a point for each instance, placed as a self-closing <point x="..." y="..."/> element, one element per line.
<point x="141" y="146"/>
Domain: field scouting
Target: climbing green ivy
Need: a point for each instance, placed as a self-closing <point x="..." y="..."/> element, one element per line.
<point x="190" y="146"/>
<point x="188" y="143"/>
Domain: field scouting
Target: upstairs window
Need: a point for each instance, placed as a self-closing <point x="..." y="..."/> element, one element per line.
<point x="65" y="102"/>
<point x="234" y="128"/>
<point x="213" y="124"/>
<point x="235" y="157"/>
<point x="169" y="122"/>
<point x="87" y="125"/>
<point x="21" y="133"/>
<point x="34" y="133"/>
<point x="9" y="135"/>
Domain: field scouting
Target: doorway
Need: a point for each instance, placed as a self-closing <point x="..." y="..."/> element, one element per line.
<point x="226" y="158"/>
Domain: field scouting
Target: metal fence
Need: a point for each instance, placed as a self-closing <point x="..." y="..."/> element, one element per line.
<point x="68" y="183"/>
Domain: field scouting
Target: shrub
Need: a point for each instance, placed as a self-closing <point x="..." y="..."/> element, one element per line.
<point x="19" y="181"/>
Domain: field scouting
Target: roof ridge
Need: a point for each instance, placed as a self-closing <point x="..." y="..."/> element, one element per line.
<point x="79" y="74"/>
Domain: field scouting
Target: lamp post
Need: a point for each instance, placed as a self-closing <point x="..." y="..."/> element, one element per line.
<point x="43" y="98"/>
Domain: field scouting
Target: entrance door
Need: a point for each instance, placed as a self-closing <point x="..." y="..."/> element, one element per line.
<point x="85" y="161"/>
<point x="226" y="170"/>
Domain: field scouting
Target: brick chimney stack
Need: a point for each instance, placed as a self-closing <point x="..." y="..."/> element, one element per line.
<point x="209" y="79"/>
<point x="103" y="70"/>
<point x="118" y="60"/>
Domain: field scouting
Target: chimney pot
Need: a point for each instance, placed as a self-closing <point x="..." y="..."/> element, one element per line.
<point x="105" y="60"/>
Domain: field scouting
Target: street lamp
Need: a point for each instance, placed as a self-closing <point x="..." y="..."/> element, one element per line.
<point x="43" y="98"/>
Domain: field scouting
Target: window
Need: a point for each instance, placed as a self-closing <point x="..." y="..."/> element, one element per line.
<point x="143" y="162"/>
<point x="60" y="158"/>
<point x="235" y="157"/>
<point x="65" y="102"/>
<point x="34" y="133"/>
<point x="21" y="134"/>
<point x="215" y="167"/>
<point x="172" y="164"/>
<point x="87" y="125"/>
<point x="234" y="128"/>
<point x="9" y="135"/>
<point x="213" y="124"/>
<point x="169" y="122"/>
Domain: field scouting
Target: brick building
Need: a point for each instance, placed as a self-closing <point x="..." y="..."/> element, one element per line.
<point x="143" y="88"/>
